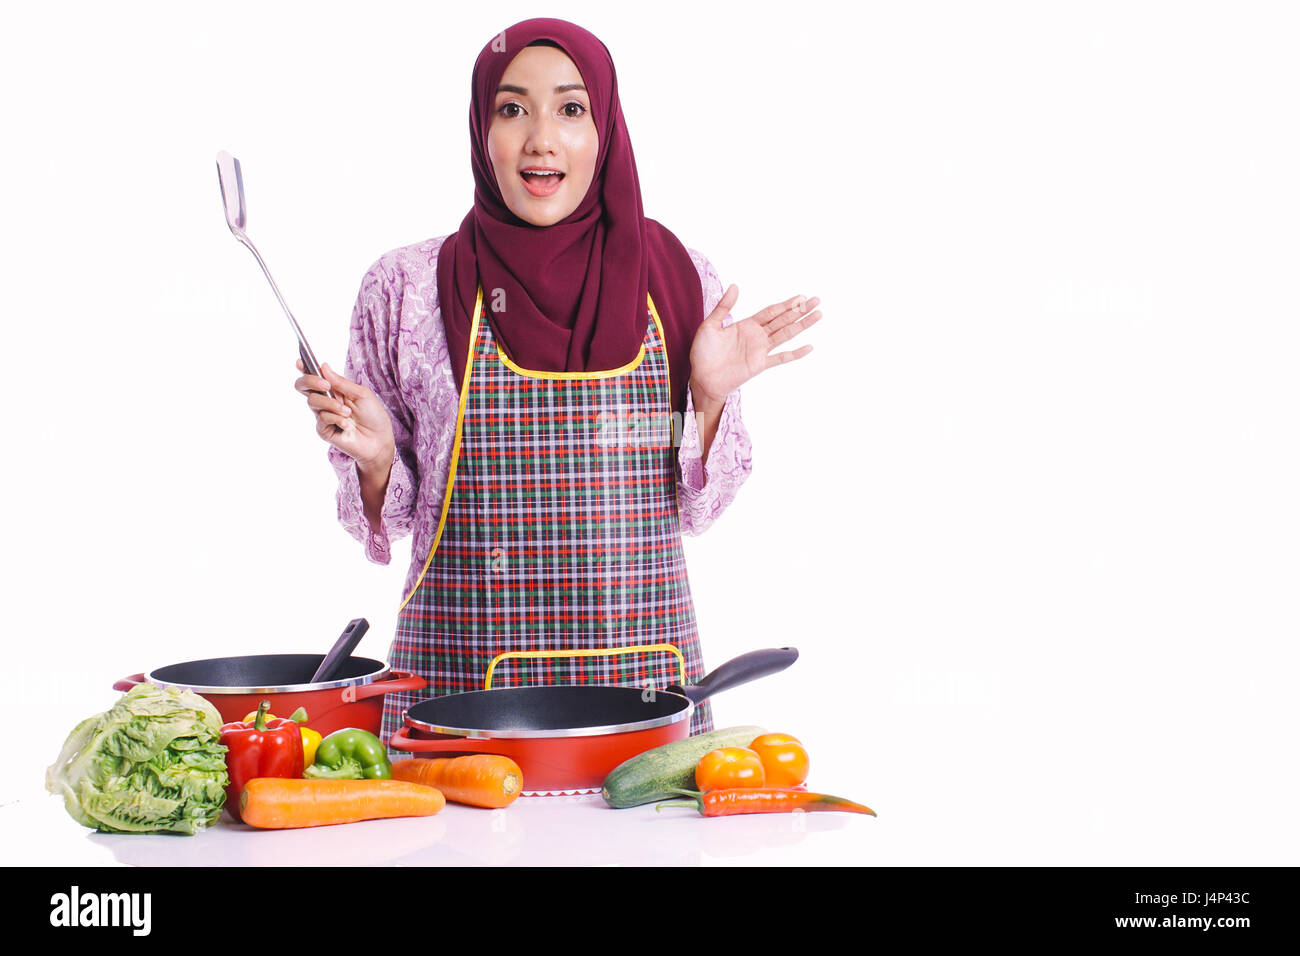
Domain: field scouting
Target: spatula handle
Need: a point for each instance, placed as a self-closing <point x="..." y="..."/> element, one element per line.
<point x="342" y="648"/>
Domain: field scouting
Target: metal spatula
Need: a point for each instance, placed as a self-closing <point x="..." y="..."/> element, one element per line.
<point x="232" y="197"/>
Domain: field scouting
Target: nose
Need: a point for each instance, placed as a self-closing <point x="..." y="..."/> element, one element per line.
<point x="541" y="136"/>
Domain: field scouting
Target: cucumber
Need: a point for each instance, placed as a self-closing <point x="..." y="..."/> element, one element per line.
<point x="653" y="775"/>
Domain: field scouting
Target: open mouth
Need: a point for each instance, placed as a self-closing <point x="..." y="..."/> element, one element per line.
<point x="541" y="184"/>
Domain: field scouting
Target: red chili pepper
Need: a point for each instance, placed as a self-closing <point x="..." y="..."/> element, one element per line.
<point x="260" y="748"/>
<point x="725" y="803"/>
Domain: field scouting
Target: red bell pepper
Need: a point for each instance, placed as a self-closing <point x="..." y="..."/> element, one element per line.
<point x="260" y="748"/>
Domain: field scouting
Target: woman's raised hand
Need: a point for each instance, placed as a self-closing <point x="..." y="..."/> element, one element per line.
<point x="352" y="418"/>
<point x="723" y="359"/>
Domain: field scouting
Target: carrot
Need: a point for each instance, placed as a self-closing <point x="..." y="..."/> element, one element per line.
<point x="481" y="780"/>
<point x="278" y="803"/>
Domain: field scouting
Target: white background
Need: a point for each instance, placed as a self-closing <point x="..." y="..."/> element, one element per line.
<point x="1028" y="510"/>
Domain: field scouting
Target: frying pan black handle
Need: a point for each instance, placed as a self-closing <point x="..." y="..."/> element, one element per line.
<point x="737" y="671"/>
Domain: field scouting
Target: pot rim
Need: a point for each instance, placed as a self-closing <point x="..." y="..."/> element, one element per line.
<point x="478" y="733"/>
<point x="380" y="674"/>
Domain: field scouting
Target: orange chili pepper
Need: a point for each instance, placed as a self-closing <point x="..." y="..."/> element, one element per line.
<point x="725" y="803"/>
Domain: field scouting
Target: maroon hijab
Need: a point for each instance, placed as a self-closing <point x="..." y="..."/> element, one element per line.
<point x="575" y="291"/>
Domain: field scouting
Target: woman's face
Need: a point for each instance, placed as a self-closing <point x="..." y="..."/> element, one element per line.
<point x="542" y="120"/>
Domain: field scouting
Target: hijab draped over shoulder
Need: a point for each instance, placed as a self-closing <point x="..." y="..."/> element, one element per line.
<point x="574" y="292"/>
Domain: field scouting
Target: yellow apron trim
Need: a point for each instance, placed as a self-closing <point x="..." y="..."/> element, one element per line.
<point x="663" y="344"/>
<point x="585" y="652"/>
<point x="455" y="448"/>
<point x="574" y="376"/>
<point x="668" y="377"/>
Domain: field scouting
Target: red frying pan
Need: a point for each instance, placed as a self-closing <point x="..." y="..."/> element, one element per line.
<point x="567" y="738"/>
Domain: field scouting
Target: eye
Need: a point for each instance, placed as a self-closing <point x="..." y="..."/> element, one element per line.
<point x="581" y="109"/>
<point x="505" y="106"/>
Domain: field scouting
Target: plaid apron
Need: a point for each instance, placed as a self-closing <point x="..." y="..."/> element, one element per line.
<point x="558" y="557"/>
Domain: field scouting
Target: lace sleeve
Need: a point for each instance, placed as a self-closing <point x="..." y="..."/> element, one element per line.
<point x="705" y="489"/>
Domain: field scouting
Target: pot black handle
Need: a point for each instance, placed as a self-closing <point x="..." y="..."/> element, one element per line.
<point x="737" y="671"/>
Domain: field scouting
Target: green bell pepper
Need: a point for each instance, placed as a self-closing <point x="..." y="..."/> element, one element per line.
<point x="351" y="754"/>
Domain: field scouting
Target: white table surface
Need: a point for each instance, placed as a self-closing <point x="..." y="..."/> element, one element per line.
<point x="565" y="830"/>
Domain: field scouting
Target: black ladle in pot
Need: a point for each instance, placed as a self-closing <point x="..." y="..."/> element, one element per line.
<point x="341" y="650"/>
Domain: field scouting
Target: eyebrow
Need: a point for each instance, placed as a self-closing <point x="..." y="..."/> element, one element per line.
<point x="565" y="88"/>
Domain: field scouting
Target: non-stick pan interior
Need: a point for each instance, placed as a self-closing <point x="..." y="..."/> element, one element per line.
<point x="545" y="708"/>
<point x="260" y="670"/>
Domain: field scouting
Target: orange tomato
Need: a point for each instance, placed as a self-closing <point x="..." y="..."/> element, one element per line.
<point x="785" y="762"/>
<point x="728" y="768"/>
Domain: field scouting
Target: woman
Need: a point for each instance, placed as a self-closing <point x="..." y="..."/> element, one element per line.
<point x="510" y="399"/>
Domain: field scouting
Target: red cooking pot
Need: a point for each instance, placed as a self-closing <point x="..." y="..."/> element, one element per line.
<point x="353" y="697"/>
<point x="567" y="738"/>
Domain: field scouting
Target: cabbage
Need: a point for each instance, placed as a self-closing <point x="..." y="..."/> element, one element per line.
<point x="154" y="762"/>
